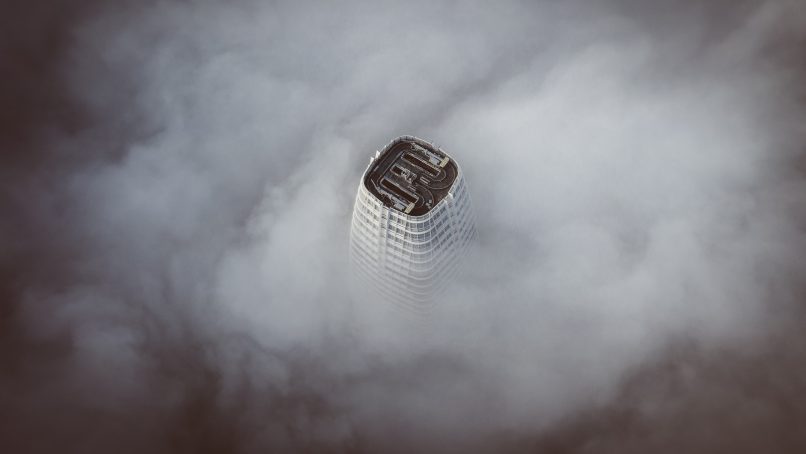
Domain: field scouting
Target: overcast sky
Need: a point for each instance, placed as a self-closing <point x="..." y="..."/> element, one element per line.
<point x="177" y="181"/>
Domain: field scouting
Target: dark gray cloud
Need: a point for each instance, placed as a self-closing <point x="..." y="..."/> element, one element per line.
<point x="178" y="180"/>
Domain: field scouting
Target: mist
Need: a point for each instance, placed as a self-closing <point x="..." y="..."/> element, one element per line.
<point x="178" y="181"/>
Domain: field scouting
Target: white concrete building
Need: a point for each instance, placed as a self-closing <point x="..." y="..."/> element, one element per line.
<point x="412" y="223"/>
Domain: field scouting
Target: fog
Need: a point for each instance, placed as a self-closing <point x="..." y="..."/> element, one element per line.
<point x="178" y="181"/>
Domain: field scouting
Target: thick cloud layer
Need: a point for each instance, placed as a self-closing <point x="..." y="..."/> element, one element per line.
<point x="178" y="185"/>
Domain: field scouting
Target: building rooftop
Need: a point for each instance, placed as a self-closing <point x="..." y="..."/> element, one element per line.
<point x="411" y="176"/>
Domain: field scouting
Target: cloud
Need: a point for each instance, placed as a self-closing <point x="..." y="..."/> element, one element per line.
<point x="176" y="263"/>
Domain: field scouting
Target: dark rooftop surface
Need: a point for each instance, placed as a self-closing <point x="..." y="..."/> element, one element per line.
<point x="411" y="176"/>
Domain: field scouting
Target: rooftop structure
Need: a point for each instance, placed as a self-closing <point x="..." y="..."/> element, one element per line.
<point x="412" y="223"/>
<point x="411" y="176"/>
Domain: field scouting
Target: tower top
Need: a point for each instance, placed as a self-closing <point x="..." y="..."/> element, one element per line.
<point x="410" y="175"/>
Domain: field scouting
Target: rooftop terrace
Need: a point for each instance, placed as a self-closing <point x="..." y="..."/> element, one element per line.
<point x="411" y="176"/>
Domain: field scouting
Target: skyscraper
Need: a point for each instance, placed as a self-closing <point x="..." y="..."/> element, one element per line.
<point x="412" y="223"/>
